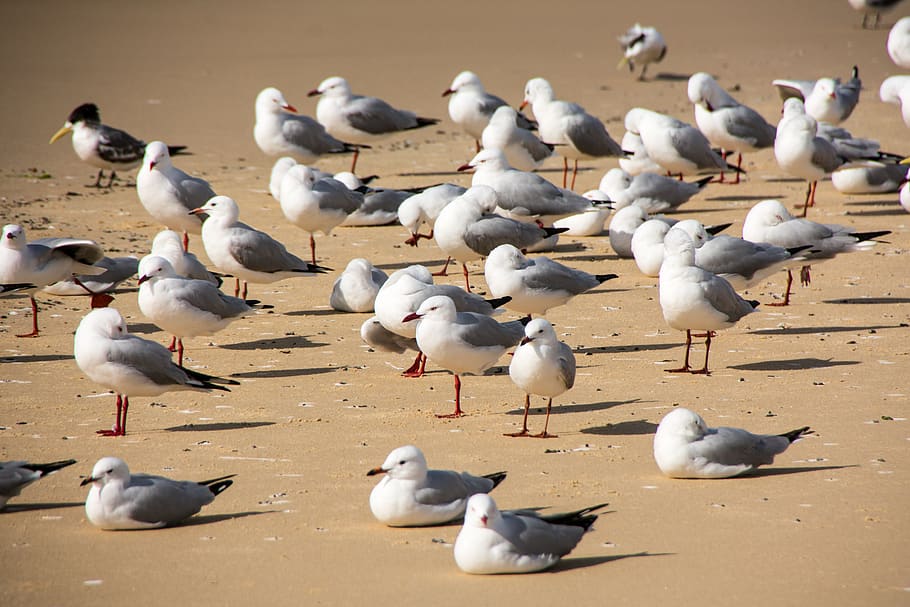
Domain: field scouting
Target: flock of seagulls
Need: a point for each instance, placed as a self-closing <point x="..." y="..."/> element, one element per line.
<point x="508" y="211"/>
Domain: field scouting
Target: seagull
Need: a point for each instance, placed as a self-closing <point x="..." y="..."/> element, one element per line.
<point x="896" y="90"/>
<point x="129" y="365"/>
<point x="874" y="178"/>
<point x="471" y="107"/>
<point x="356" y="289"/>
<point x="636" y="160"/>
<point x="653" y="192"/>
<point x="535" y="285"/>
<point x="103" y="146"/>
<point x="316" y="205"/>
<point x="827" y="99"/>
<point x="623" y="226"/>
<point x="492" y="541"/>
<point x="769" y="221"/>
<point x="541" y="365"/>
<point x="380" y="205"/>
<point x="523" y="195"/>
<point x="244" y="252"/>
<point x="116" y="271"/>
<point x="727" y="123"/>
<point x="278" y="133"/>
<point x="647" y="240"/>
<point x="467" y="229"/>
<point x="44" y="262"/>
<point x="167" y="193"/>
<point x="360" y="119"/>
<point x="521" y="147"/>
<point x="679" y="148"/>
<point x="279" y="170"/>
<point x="694" y="299"/>
<point x="377" y="336"/>
<point x="119" y="500"/>
<point x="168" y="244"/>
<point x="685" y="447"/>
<point x="461" y="342"/>
<point x="404" y="292"/>
<point x="899" y="41"/>
<point x="424" y="208"/>
<point x="589" y="222"/>
<point x="17" y="475"/>
<point x="577" y="134"/>
<point x="411" y="495"/>
<point x="184" y="307"/>
<point x="641" y="45"/>
<point x="872" y="10"/>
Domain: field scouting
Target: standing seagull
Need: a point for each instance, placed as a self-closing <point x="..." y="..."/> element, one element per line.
<point x="575" y="133"/>
<point x="103" y="146"/>
<point x="167" y="193"/>
<point x="120" y="500"/>
<point x="316" y="205"/>
<point x="412" y="495"/>
<point x="471" y="107"/>
<point x="44" y="262"/>
<point x="492" y="541"/>
<point x="727" y="123"/>
<point x="360" y="119"/>
<point x="244" y="252"/>
<point x="685" y="447"/>
<point x="278" y="133"/>
<point x="694" y="299"/>
<point x="641" y="45"/>
<point x="184" y="307"/>
<point x="16" y="476"/>
<point x="461" y="342"/>
<point x="541" y="365"/>
<point x="129" y="365"/>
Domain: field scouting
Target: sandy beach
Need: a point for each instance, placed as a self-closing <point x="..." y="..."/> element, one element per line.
<point x="827" y="524"/>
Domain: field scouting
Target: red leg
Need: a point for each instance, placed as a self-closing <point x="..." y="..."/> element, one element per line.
<point x="179" y="352"/>
<point x="565" y="171"/>
<point x="313" y="247"/>
<point x="354" y="160"/>
<point x="723" y="154"/>
<point x="804" y="276"/>
<point x="524" y="423"/>
<point x="685" y="368"/>
<point x="243" y="297"/>
<point x="812" y="187"/>
<point x="739" y="165"/>
<point x="546" y="423"/>
<point x="236" y="287"/>
<point x="786" y="301"/>
<point x="416" y="369"/>
<point x="186" y="241"/>
<point x="467" y="281"/>
<point x="119" y="426"/>
<point x="458" y="412"/>
<point x="34" y="332"/>
<point x="442" y="272"/>
<point x="574" y="173"/>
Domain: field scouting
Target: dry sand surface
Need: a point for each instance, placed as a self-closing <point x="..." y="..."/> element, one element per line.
<point x="826" y="525"/>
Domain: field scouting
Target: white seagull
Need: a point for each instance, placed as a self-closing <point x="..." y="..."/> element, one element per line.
<point x="896" y="90"/>
<point x="827" y="99"/>
<point x="424" y="207"/>
<point x="461" y="342"/>
<point x="16" y="476"/>
<point x="412" y="495"/>
<point x="129" y="365"/>
<point x="356" y="289"/>
<point x="360" y="119"/>
<point x="899" y="42"/>
<point x="642" y="46"/>
<point x="544" y="366"/>
<point x="118" y="500"/>
<point x="244" y="252"/>
<point x="492" y="541"/>
<point x="693" y="299"/>
<point x="116" y="271"/>
<point x="471" y="107"/>
<point x="654" y="193"/>
<point x="521" y="147"/>
<point x="685" y="447"/>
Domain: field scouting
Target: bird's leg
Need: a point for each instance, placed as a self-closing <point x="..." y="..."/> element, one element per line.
<point x="524" y="423"/>
<point x="243" y="297"/>
<point x="126" y="407"/>
<point x="179" y="352"/>
<point x="786" y="301"/>
<point x="806" y="204"/>
<point x="354" y="160"/>
<point x="110" y="180"/>
<point x="98" y="300"/>
<point x="172" y="347"/>
<point x="680" y="177"/>
<point x="723" y="154"/>
<point x="442" y="272"/>
<point x="416" y="369"/>
<point x="565" y="171"/>
<point x="574" y="173"/>
<point x="467" y="281"/>
<point x="236" y="287"/>
<point x="685" y="367"/>
<point x="458" y="412"/>
<point x="34" y="332"/>
<point x="186" y="241"/>
<point x="739" y="166"/>
<point x="546" y="423"/>
<point x="812" y="187"/>
<point x="804" y="276"/>
<point x="97" y="183"/>
<point x="313" y="247"/>
<point x="117" y="430"/>
<point x="704" y="370"/>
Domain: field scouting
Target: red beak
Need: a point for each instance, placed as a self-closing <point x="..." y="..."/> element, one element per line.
<point x="523" y="105"/>
<point x="410" y="317"/>
<point x="289" y="108"/>
<point x="313" y="93"/>
<point x="143" y="278"/>
<point x="483" y="519"/>
<point x="447" y="92"/>
<point x="152" y="165"/>
<point x="196" y="211"/>
<point x="525" y="340"/>
<point x="465" y="167"/>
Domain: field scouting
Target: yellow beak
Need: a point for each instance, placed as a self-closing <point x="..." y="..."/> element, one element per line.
<point x="66" y="128"/>
<point x="622" y="63"/>
<point x="905" y="161"/>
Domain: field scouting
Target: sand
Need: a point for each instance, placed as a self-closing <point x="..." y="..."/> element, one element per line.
<point x="826" y="525"/>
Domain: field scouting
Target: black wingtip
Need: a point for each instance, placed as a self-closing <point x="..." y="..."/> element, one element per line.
<point x="717" y="229"/>
<point x="174" y="150"/>
<point x="316" y="268"/>
<point x="579" y="518"/>
<point x="701" y="183"/>
<point x="795" y="435"/>
<point x="422" y="122"/>
<point x="496" y="477"/>
<point x="864" y="236"/>
<point x="552" y="231"/>
<point x="50" y="467"/>
<point x="605" y="277"/>
<point x="795" y="250"/>
<point x="216" y="487"/>
<point x="498" y="302"/>
<point x="754" y="303"/>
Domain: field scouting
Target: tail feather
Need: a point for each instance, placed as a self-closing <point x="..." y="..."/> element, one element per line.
<point x="173" y="150"/>
<point x="864" y="236"/>
<point x="496" y="477"/>
<point x="579" y="518"/>
<point x="51" y="467"/>
<point x="499" y="301"/>
<point x="701" y="183"/>
<point x="552" y="231"/>
<point x="602" y="278"/>
<point x="795" y="435"/>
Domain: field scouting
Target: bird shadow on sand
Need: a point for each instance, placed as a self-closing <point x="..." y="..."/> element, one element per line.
<point x="207" y="519"/>
<point x="577" y="408"/>
<point x="319" y="312"/>
<point x="740" y="198"/>
<point x="568" y="564"/>
<point x="878" y="202"/>
<point x="591" y="258"/>
<point x="894" y="212"/>
<point x="870" y="300"/>
<point x="629" y="348"/>
<point x="35" y="358"/>
<point x="218" y="426"/>
<point x="10" y="508"/>
<point x="793" y="364"/>
<point x="143" y="328"/>
<point x="760" y="472"/>
<point x="274" y="343"/>
<point x="671" y="76"/>
<point x="283" y="373"/>
<point x="813" y="330"/>
<point x="629" y="428"/>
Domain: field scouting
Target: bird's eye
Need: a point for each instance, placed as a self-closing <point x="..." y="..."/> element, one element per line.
<point x="402" y="463"/>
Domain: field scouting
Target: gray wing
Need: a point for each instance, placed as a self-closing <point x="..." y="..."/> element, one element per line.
<point x="735" y="446"/>
<point x="566" y="365"/>
<point x="82" y="250"/>
<point x="118" y="146"/>
<point x="728" y="255"/>
<point x="488" y="103"/>
<point x="376" y="117"/>
<point x="205" y="296"/>
<point x="150" y="359"/>
<point x="464" y="301"/>
<point x="193" y="192"/>
<point x="660" y="188"/>
<point x="745" y="123"/>
<point x="825" y="156"/>
<point x="305" y="132"/>
<point x="154" y="499"/>
<point x="724" y="299"/>
<point x="532" y="195"/>
<point x="446" y="486"/>
<point x="334" y="195"/>
<point x="260" y="252"/>
<point x="693" y="146"/>
<point x="490" y="231"/>
<point x="848" y="95"/>
<point x="794" y="88"/>
<point x="547" y="274"/>
<point x="483" y="331"/>
<point x="14" y="476"/>
<point x="589" y="136"/>
<point x="531" y="535"/>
